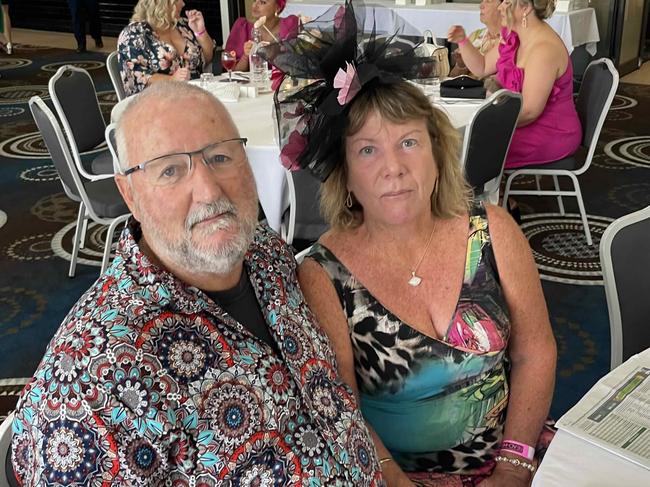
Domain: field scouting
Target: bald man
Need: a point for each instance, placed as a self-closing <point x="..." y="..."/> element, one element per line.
<point x="194" y="359"/>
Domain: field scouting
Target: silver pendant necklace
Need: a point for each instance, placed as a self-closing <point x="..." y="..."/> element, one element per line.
<point x="415" y="280"/>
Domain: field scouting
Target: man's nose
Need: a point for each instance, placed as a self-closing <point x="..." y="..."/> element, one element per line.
<point x="204" y="181"/>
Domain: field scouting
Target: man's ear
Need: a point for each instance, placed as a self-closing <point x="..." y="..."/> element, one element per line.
<point x="126" y="190"/>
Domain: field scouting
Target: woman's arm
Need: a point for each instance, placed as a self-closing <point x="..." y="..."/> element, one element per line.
<point x="240" y="35"/>
<point x="321" y="297"/>
<point x="480" y="65"/>
<point x="541" y="71"/>
<point x="197" y="25"/>
<point x="531" y="347"/>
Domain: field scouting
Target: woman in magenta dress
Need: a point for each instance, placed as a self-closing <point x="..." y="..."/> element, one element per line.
<point x="279" y="28"/>
<point x="531" y="59"/>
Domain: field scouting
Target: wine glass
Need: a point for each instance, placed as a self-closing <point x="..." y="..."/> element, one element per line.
<point x="228" y="61"/>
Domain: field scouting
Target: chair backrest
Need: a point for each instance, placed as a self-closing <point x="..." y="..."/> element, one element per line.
<point x="595" y="96"/>
<point x="112" y="147"/>
<point x="73" y="92"/>
<point x="113" y="67"/>
<point x="625" y="261"/>
<point x="487" y="138"/>
<point x="57" y="146"/>
<point x="6" y="433"/>
<point x="305" y="221"/>
<point x="50" y="130"/>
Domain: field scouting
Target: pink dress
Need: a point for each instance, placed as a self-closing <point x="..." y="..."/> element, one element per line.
<point x="557" y="132"/>
<point x="242" y="31"/>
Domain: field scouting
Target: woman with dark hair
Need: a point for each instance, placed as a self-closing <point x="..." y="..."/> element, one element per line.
<point x="275" y="28"/>
<point x="432" y="301"/>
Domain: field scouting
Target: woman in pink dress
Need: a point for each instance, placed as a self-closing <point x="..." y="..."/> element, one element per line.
<point x="531" y="59"/>
<point x="277" y="29"/>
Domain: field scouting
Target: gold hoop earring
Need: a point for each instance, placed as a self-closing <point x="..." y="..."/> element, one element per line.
<point x="348" y="200"/>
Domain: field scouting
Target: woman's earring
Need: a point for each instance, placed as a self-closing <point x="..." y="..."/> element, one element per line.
<point x="348" y="200"/>
<point x="524" y="21"/>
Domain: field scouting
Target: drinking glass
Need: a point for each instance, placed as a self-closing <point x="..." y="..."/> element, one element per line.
<point x="228" y="61"/>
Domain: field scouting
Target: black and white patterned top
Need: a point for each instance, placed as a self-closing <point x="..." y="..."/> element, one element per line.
<point x="141" y="54"/>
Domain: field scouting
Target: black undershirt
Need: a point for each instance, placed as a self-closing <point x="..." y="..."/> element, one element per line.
<point x="241" y="303"/>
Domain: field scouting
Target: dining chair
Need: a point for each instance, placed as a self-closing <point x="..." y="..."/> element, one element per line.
<point x="486" y="142"/>
<point x="99" y="199"/>
<point x="302" y="219"/>
<point x="113" y="68"/>
<point x="111" y="142"/>
<point x="6" y="433"/>
<point x="73" y="92"/>
<point x="595" y="96"/>
<point x="625" y="261"/>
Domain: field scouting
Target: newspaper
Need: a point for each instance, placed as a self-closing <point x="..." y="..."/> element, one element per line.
<point x="615" y="413"/>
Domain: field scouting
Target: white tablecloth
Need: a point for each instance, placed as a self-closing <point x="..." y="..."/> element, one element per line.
<point x="254" y="120"/>
<point x="576" y="28"/>
<point x="573" y="462"/>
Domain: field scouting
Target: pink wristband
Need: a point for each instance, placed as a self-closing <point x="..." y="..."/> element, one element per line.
<point x="199" y="34"/>
<point x="521" y="449"/>
<point x="463" y="42"/>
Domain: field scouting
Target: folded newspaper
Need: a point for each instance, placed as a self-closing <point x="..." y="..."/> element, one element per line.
<point x="615" y="413"/>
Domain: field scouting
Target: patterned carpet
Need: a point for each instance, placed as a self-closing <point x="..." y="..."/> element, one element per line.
<point x="36" y="228"/>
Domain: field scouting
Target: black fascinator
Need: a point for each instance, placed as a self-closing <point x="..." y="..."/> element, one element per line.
<point x="329" y="63"/>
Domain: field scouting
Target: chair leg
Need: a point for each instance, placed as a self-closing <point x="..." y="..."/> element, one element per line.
<point x="560" y="203"/>
<point x="506" y="192"/>
<point x="537" y="182"/>
<point x="581" y="206"/>
<point x="84" y="230"/>
<point x="109" y="240"/>
<point x="76" y="239"/>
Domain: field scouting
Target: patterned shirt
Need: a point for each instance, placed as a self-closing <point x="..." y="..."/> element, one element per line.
<point x="141" y="54"/>
<point x="149" y="382"/>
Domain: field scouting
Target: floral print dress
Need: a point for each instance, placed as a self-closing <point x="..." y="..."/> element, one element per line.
<point x="141" y="54"/>
<point x="439" y="406"/>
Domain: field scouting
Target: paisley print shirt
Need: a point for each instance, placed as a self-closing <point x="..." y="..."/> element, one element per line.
<point x="149" y="382"/>
<point x="141" y="54"/>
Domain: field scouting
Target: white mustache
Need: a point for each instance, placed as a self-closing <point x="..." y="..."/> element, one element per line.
<point x="220" y="207"/>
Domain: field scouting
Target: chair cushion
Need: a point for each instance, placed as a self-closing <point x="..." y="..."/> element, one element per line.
<point x="571" y="163"/>
<point x="105" y="198"/>
<point x="103" y="163"/>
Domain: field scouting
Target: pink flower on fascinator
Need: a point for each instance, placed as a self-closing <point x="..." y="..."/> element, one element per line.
<point x="348" y="83"/>
<point x="292" y="150"/>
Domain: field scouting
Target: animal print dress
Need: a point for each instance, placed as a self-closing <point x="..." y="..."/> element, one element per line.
<point x="438" y="405"/>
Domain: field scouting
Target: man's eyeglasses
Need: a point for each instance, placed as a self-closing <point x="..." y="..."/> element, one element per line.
<point x="172" y="168"/>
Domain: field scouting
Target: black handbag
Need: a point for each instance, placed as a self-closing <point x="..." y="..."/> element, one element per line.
<point x="462" y="87"/>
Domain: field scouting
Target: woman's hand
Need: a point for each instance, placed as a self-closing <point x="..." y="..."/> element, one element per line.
<point x="181" y="74"/>
<point x="195" y="21"/>
<point x="248" y="47"/>
<point x="456" y="34"/>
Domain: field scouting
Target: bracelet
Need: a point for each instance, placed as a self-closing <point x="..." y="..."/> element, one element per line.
<point x="463" y="42"/>
<point x="516" y="462"/>
<point x="518" y="448"/>
<point x="384" y="460"/>
<point x="199" y="34"/>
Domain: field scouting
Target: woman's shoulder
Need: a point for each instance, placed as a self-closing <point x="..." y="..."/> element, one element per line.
<point x="241" y="23"/>
<point x="134" y="30"/>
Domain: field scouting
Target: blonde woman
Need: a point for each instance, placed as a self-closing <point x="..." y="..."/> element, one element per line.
<point x="159" y="44"/>
<point x="531" y="59"/>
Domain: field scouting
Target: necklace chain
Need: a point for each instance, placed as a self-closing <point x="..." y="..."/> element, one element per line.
<point x="415" y="280"/>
